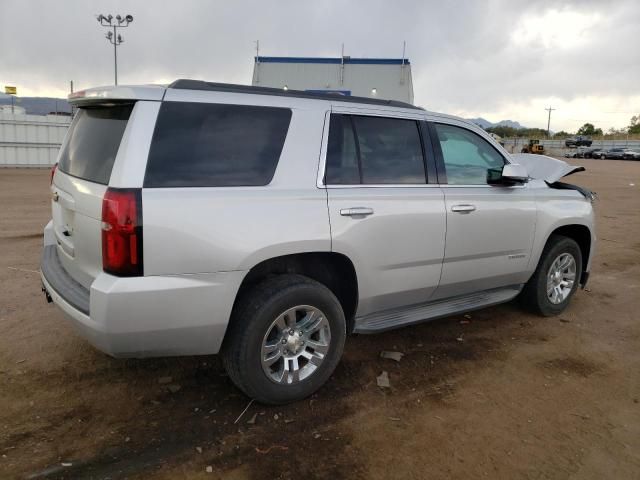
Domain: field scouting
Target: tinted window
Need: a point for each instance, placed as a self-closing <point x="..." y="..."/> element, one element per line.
<point x="215" y="145"/>
<point x="93" y="141"/>
<point x="374" y="150"/>
<point x="467" y="156"/>
<point x="342" y="155"/>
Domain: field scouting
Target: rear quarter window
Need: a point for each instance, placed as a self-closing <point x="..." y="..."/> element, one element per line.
<point x="93" y="141"/>
<point x="215" y="145"/>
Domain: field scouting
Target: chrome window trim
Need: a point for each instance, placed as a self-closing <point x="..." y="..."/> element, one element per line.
<point x="446" y="185"/>
<point x="382" y="185"/>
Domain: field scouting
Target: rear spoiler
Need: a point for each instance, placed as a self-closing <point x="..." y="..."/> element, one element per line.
<point x="116" y="94"/>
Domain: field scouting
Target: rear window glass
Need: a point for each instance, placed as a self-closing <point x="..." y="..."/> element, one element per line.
<point x="93" y="141"/>
<point x="215" y="145"/>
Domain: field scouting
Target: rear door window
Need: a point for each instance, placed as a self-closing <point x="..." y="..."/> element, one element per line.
<point x="215" y="145"/>
<point x="93" y="141"/>
<point x="374" y="150"/>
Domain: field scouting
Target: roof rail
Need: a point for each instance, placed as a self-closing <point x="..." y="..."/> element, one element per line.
<point x="186" y="84"/>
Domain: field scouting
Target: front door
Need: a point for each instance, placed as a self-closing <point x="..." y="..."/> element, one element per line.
<point x="384" y="215"/>
<point x="490" y="228"/>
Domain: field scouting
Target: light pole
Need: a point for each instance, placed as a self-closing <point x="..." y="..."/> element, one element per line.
<point x="113" y="36"/>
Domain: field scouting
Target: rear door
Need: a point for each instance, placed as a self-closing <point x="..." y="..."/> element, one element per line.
<point x="84" y="169"/>
<point x="490" y="228"/>
<point x="384" y="214"/>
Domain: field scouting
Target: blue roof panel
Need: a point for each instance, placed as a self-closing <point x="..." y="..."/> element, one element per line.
<point x="334" y="60"/>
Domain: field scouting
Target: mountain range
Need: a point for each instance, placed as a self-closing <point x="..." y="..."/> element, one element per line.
<point x="484" y="123"/>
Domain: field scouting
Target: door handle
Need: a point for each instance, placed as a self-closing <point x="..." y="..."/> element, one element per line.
<point x="356" y="211"/>
<point x="466" y="208"/>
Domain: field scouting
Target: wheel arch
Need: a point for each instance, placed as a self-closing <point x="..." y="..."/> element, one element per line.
<point x="581" y="234"/>
<point x="334" y="270"/>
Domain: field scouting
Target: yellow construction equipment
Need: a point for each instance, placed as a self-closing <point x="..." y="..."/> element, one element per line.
<point x="533" y="147"/>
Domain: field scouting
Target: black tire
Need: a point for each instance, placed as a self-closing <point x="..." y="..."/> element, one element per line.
<point x="253" y="314"/>
<point x="534" y="294"/>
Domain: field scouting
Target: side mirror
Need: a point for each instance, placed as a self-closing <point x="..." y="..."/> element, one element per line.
<point x="515" y="173"/>
<point x="510" y="174"/>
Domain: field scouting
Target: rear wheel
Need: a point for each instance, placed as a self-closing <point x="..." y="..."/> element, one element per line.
<point x="556" y="278"/>
<point x="285" y="339"/>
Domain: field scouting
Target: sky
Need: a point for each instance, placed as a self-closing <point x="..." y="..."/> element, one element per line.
<point x="497" y="59"/>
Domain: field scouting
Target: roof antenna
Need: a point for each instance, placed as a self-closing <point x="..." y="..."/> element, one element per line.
<point x="257" y="61"/>
<point x="342" y="66"/>
<point x="404" y="47"/>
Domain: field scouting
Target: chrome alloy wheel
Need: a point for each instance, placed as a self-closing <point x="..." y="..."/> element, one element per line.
<point x="295" y="345"/>
<point x="560" y="278"/>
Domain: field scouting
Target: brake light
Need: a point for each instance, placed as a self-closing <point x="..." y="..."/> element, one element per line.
<point x="122" y="232"/>
<point x="53" y="172"/>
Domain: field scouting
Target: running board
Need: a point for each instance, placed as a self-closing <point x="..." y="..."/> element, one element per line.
<point x="400" y="317"/>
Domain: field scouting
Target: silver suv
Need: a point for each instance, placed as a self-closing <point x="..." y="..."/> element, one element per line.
<point x="266" y="225"/>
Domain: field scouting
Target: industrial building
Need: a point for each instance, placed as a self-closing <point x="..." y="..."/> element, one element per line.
<point x="385" y="78"/>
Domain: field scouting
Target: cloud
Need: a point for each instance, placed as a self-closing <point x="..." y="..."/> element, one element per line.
<point x="497" y="59"/>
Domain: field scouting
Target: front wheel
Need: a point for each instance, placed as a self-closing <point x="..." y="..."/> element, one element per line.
<point x="285" y="339"/>
<point x="549" y="291"/>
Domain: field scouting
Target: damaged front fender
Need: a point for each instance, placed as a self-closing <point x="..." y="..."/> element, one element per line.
<point x="545" y="168"/>
<point x="551" y="170"/>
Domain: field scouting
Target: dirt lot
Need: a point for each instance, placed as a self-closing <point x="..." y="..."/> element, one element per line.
<point x="503" y="394"/>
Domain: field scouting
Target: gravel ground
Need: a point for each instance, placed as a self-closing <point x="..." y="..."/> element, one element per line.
<point x="502" y="394"/>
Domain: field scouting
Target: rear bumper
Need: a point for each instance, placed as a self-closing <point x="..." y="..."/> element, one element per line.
<point x="145" y="316"/>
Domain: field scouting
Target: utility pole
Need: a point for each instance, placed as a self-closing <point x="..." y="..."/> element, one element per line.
<point x="113" y="36"/>
<point x="71" y="90"/>
<point x="549" y="120"/>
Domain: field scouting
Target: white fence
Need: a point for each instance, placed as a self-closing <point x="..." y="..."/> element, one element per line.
<point x="31" y="140"/>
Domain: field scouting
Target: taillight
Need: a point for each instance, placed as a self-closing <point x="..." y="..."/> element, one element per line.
<point x="53" y="172"/>
<point x="122" y="232"/>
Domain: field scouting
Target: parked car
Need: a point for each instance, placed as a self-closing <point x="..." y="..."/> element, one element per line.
<point x="578" y="153"/>
<point x="266" y="225"/>
<point x="613" y="153"/>
<point x="579" y="141"/>
<point x="592" y="153"/>
<point x="632" y="154"/>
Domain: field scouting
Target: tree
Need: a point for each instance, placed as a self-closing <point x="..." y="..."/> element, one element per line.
<point x="634" y="127"/>
<point x="561" y="134"/>
<point x="588" y="129"/>
<point x="509" y="132"/>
